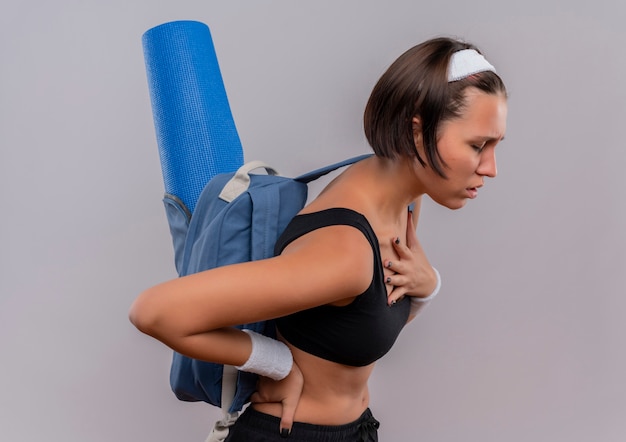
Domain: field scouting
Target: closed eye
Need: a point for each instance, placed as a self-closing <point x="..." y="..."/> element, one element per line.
<point x="479" y="147"/>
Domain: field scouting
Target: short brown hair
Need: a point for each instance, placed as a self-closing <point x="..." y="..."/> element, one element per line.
<point x="416" y="84"/>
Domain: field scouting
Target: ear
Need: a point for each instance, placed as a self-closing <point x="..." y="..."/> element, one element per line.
<point x="417" y="132"/>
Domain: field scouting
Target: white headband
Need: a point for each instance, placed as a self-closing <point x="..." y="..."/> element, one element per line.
<point x="465" y="63"/>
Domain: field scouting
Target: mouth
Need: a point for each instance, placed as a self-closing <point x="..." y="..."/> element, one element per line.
<point x="472" y="192"/>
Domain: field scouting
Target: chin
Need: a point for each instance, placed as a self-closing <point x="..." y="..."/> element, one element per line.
<point x="450" y="203"/>
<point x="455" y="204"/>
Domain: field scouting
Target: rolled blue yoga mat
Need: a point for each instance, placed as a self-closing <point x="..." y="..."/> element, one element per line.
<point x="195" y="130"/>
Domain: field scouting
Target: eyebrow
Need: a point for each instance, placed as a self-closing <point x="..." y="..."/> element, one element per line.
<point x="488" y="139"/>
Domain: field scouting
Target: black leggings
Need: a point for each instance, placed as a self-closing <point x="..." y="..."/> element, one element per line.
<point x="254" y="426"/>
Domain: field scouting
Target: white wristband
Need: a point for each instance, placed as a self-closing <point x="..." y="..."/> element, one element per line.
<point x="417" y="303"/>
<point x="269" y="357"/>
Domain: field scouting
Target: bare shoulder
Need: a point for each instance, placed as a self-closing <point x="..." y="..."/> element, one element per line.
<point x="335" y="259"/>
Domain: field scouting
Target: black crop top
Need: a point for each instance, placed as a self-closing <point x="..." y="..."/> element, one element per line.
<point x="356" y="334"/>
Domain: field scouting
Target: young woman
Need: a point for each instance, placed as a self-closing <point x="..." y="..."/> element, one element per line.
<point x="349" y="271"/>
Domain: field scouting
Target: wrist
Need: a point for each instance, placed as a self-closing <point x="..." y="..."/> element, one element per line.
<point x="418" y="303"/>
<point x="434" y="292"/>
<point x="269" y="357"/>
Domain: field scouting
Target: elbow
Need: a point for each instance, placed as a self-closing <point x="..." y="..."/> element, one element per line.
<point x="145" y="316"/>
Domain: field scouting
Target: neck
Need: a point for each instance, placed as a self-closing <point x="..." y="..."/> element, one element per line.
<point x="379" y="188"/>
<point x="396" y="185"/>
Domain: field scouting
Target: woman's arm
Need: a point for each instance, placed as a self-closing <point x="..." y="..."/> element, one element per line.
<point x="193" y="314"/>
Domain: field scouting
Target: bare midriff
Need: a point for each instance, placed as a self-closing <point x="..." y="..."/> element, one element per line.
<point x="333" y="394"/>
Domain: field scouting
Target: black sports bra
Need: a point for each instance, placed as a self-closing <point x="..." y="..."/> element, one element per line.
<point x="356" y="334"/>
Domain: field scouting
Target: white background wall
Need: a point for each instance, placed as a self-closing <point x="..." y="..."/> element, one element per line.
<point x="526" y="341"/>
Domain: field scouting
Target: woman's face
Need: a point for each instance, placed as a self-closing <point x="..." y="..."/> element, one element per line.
<point x="467" y="146"/>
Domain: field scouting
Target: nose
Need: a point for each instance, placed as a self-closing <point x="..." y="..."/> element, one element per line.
<point x="487" y="165"/>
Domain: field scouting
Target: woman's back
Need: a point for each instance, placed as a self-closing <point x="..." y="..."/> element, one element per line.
<point x="333" y="394"/>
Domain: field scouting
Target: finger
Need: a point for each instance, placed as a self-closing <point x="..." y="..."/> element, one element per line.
<point x="389" y="280"/>
<point x="396" y="294"/>
<point x="397" y="280"/>
<point x="286" y="420"/>
<point x="395" y="268"/>
<point x="398" y="284"/>
<point x="388" y="265"/>
<point x="401" y="248"/>
<point x="390" y="292"/>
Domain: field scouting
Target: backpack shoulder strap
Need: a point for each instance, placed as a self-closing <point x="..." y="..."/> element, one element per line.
<point x="315" y="174"/>
<point x="240" y="181"/>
